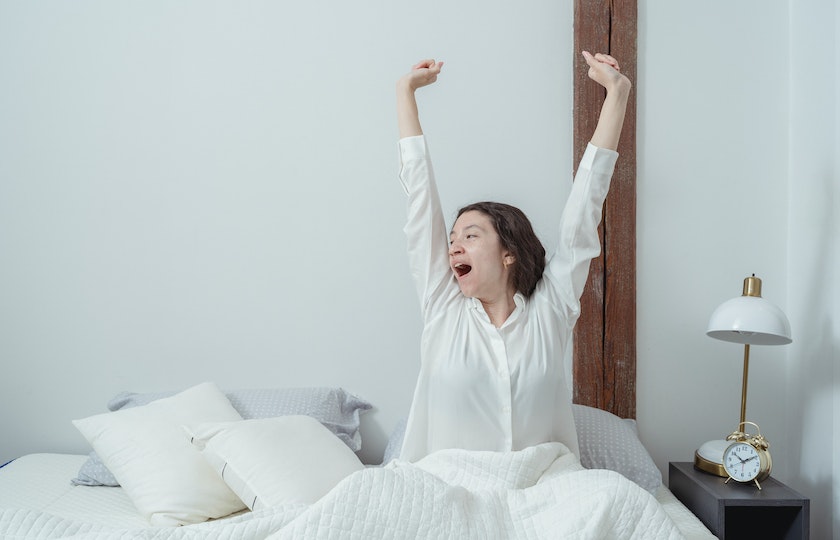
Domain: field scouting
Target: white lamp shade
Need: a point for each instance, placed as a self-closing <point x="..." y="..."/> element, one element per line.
<point x="749" y="320"/>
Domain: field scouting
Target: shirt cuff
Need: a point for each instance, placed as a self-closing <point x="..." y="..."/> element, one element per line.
<point x="412" y="148"/>
<point x="597" y="159"/>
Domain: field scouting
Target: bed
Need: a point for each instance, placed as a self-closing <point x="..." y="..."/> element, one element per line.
<point x="281" y="463"/>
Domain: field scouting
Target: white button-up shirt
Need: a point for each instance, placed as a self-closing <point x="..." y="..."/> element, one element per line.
<point x="482" y="387"/>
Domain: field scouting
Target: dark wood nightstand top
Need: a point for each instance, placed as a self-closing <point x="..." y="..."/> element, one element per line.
<point x="772" y="491"/>
<point x="740" y="510"/>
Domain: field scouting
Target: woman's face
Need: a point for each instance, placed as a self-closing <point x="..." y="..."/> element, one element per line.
<point x="480" y="263"/>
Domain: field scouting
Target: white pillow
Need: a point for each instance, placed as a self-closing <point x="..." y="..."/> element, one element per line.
<point x="337" y="409"/>
<point x="274" y="461"/>
<point x="164" y="475"/>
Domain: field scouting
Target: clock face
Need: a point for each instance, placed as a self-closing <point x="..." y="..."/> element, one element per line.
<point x="741" y="462"/>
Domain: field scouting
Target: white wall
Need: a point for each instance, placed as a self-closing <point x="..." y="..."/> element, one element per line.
<point x="712" y="210"/>
<point x="834" y="357"/>
<point x="738" y="174"/>
<point x="205" y="191"/>
<point x="208" y="191"/>
<point x="812" y="265"/>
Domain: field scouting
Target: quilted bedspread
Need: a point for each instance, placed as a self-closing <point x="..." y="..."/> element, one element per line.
<point x="538" y="493"/>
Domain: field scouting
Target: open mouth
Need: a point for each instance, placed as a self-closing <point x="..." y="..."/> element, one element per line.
<point x="462" y="269"/>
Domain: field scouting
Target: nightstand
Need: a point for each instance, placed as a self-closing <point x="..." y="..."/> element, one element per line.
<point x="736" y="510"/>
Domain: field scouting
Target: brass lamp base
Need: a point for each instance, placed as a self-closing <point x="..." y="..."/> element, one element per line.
<point x="709" y="458"/>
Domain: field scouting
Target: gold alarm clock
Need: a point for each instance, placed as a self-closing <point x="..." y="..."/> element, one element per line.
<point x="747" y="458"/>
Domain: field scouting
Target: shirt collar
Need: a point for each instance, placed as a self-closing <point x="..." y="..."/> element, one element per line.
<point x="518" y="299"/>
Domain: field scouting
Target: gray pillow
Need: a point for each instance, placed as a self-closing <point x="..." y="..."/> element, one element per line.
<point x="94" y="473"/>
<point x="609" y="442"/>
<point x="392" y="450"/>
<point x="606" y="442"/>
<point x="335" y="408"/>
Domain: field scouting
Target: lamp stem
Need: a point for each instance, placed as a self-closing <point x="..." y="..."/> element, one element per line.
<point x="744" y="384"/>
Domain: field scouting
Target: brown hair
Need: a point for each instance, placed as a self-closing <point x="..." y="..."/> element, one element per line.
<point x="517" y="236"/>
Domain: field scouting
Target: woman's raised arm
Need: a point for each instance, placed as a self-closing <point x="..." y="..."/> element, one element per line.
<point x="422" y="74"/>
<point x="604" y="70"/>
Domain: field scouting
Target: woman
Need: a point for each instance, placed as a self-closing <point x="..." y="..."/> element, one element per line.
<point x="497" y="316"/>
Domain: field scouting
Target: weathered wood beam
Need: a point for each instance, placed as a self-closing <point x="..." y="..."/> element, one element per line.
<point x="605" y="335"/>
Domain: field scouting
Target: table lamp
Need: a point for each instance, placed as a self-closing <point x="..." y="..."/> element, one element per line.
<point x="751" y="320"/>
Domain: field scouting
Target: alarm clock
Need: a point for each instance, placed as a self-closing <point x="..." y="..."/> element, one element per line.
<point x="747" y="458"/>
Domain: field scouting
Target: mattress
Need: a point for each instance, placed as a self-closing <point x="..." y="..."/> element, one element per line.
<point x="42" y="482"/>
<point x="689" y="525"/>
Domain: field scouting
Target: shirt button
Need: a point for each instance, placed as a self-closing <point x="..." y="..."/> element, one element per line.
<point x="505" y="409"/>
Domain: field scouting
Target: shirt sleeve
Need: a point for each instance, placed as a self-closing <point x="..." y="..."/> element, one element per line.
<point x="568" y="268"/>
<point x="425" y="228"/>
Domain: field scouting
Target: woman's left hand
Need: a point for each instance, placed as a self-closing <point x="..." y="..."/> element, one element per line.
<point x="604" y="70"/>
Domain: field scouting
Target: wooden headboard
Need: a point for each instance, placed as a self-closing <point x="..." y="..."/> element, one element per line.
<point x="605" y="336"/>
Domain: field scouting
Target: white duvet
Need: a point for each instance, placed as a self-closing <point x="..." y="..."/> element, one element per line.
<point x="541" y="492"/>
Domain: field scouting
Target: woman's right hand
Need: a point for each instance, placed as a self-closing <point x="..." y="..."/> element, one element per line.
<point x="423" y="73"/>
